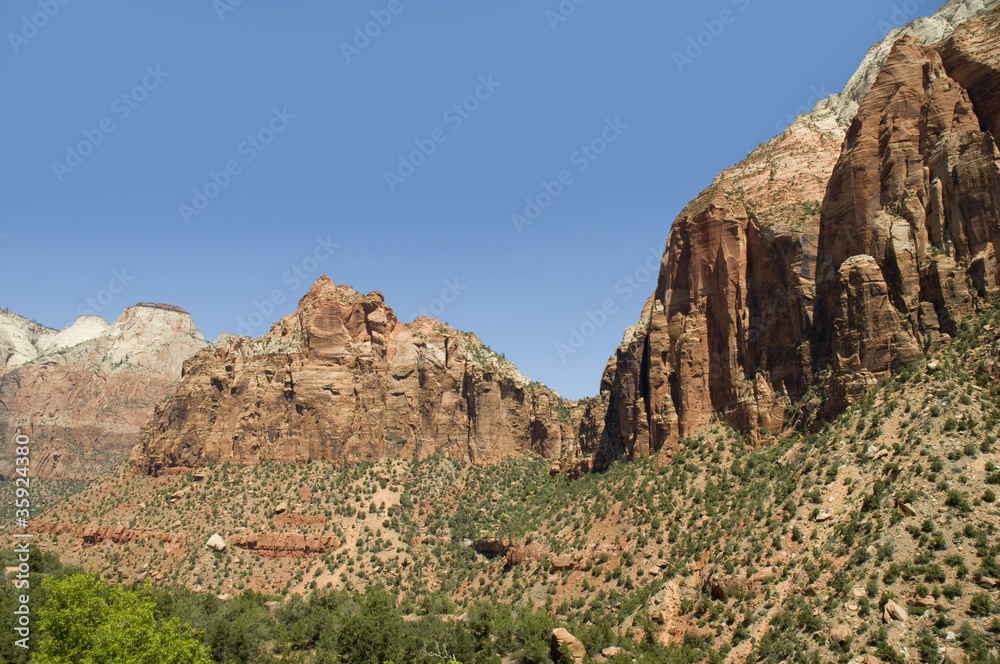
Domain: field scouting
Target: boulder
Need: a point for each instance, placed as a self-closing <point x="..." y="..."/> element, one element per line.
<point x="613" y="651"/>
<point x="216" y="542"/>
<point x="894" y="612"/>
<point x="723" y="586"/>
<point x="560" y="563"/>
<point x="177" y="495"/>
<point x="841" y="633"/>
<point x="560" y="636"/>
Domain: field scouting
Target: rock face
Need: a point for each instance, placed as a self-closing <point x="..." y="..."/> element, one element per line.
<point x="518" y="551"/>
<point x="343" y="379"/>
<point x="912" y="203"/>
<point x="724" y="586"/>
<point x="18" y="340"/>
<point x="278" y="545"/>
<point x="729" y="326"/>
<point x="93" y="535"/>
<point x="841" y="249"/>
<point x="867" y="337"/>
<point x="83" y="394"/>
<point x="831" y="256"/>
<point x="925" y="30"/>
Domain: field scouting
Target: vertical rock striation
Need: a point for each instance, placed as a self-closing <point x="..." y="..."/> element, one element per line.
<point x="840" y="250"/>
<point x="343" y="379"/>
<point x="729" y="326"/>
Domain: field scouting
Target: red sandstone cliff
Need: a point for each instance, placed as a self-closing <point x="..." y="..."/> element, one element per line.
<point x="728" y="327"/>
<point x="824" y="253"/>
<point x="343" y="379"/>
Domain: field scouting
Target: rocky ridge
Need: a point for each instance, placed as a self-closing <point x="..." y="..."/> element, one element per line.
<point x="343" y="379"/>
<point x="82" y="394"/>
<point x="832" y="255"/>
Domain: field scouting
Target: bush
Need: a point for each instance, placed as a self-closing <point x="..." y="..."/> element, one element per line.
<point x="981" y="605"/>
<point x="951" y="590"/>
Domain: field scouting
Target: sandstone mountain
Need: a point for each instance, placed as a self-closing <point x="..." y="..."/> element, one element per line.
<point x="343" y="379"/>
<point x="820" y="363"/>
<point x="82" y="394"/>
<point x="832" y="255"/>
<point x="873" y="539"/>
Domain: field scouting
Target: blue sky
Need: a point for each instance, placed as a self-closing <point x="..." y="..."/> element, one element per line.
<point x="286" y="121"/>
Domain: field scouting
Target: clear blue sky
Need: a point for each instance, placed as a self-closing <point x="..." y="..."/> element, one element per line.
<point x="213" y="82"/>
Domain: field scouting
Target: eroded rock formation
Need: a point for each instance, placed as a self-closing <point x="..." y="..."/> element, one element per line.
<point x="93" y="535"/>
<point x="912" y="203"/>
<point x="81" y="395"/>
<point x="841" y="249"/>
<point x="277" y="545"/>
<point x="728" y="328"/>
<point x="343" y="379"/>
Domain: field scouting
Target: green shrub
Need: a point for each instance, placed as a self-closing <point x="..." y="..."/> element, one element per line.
<point x="981" y="605"/>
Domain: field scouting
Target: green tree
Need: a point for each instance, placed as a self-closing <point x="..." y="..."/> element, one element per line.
<point x="375" y="633"/>
<point x="86" y="622"/>
<point x="241" y="631"/>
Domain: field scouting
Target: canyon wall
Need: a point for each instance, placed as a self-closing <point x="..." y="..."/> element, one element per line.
<point x="832" y="255"/>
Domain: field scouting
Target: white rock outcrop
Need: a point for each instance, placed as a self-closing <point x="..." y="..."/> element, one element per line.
<point x="216" y="542"/>
<point x="84" y="329"/>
